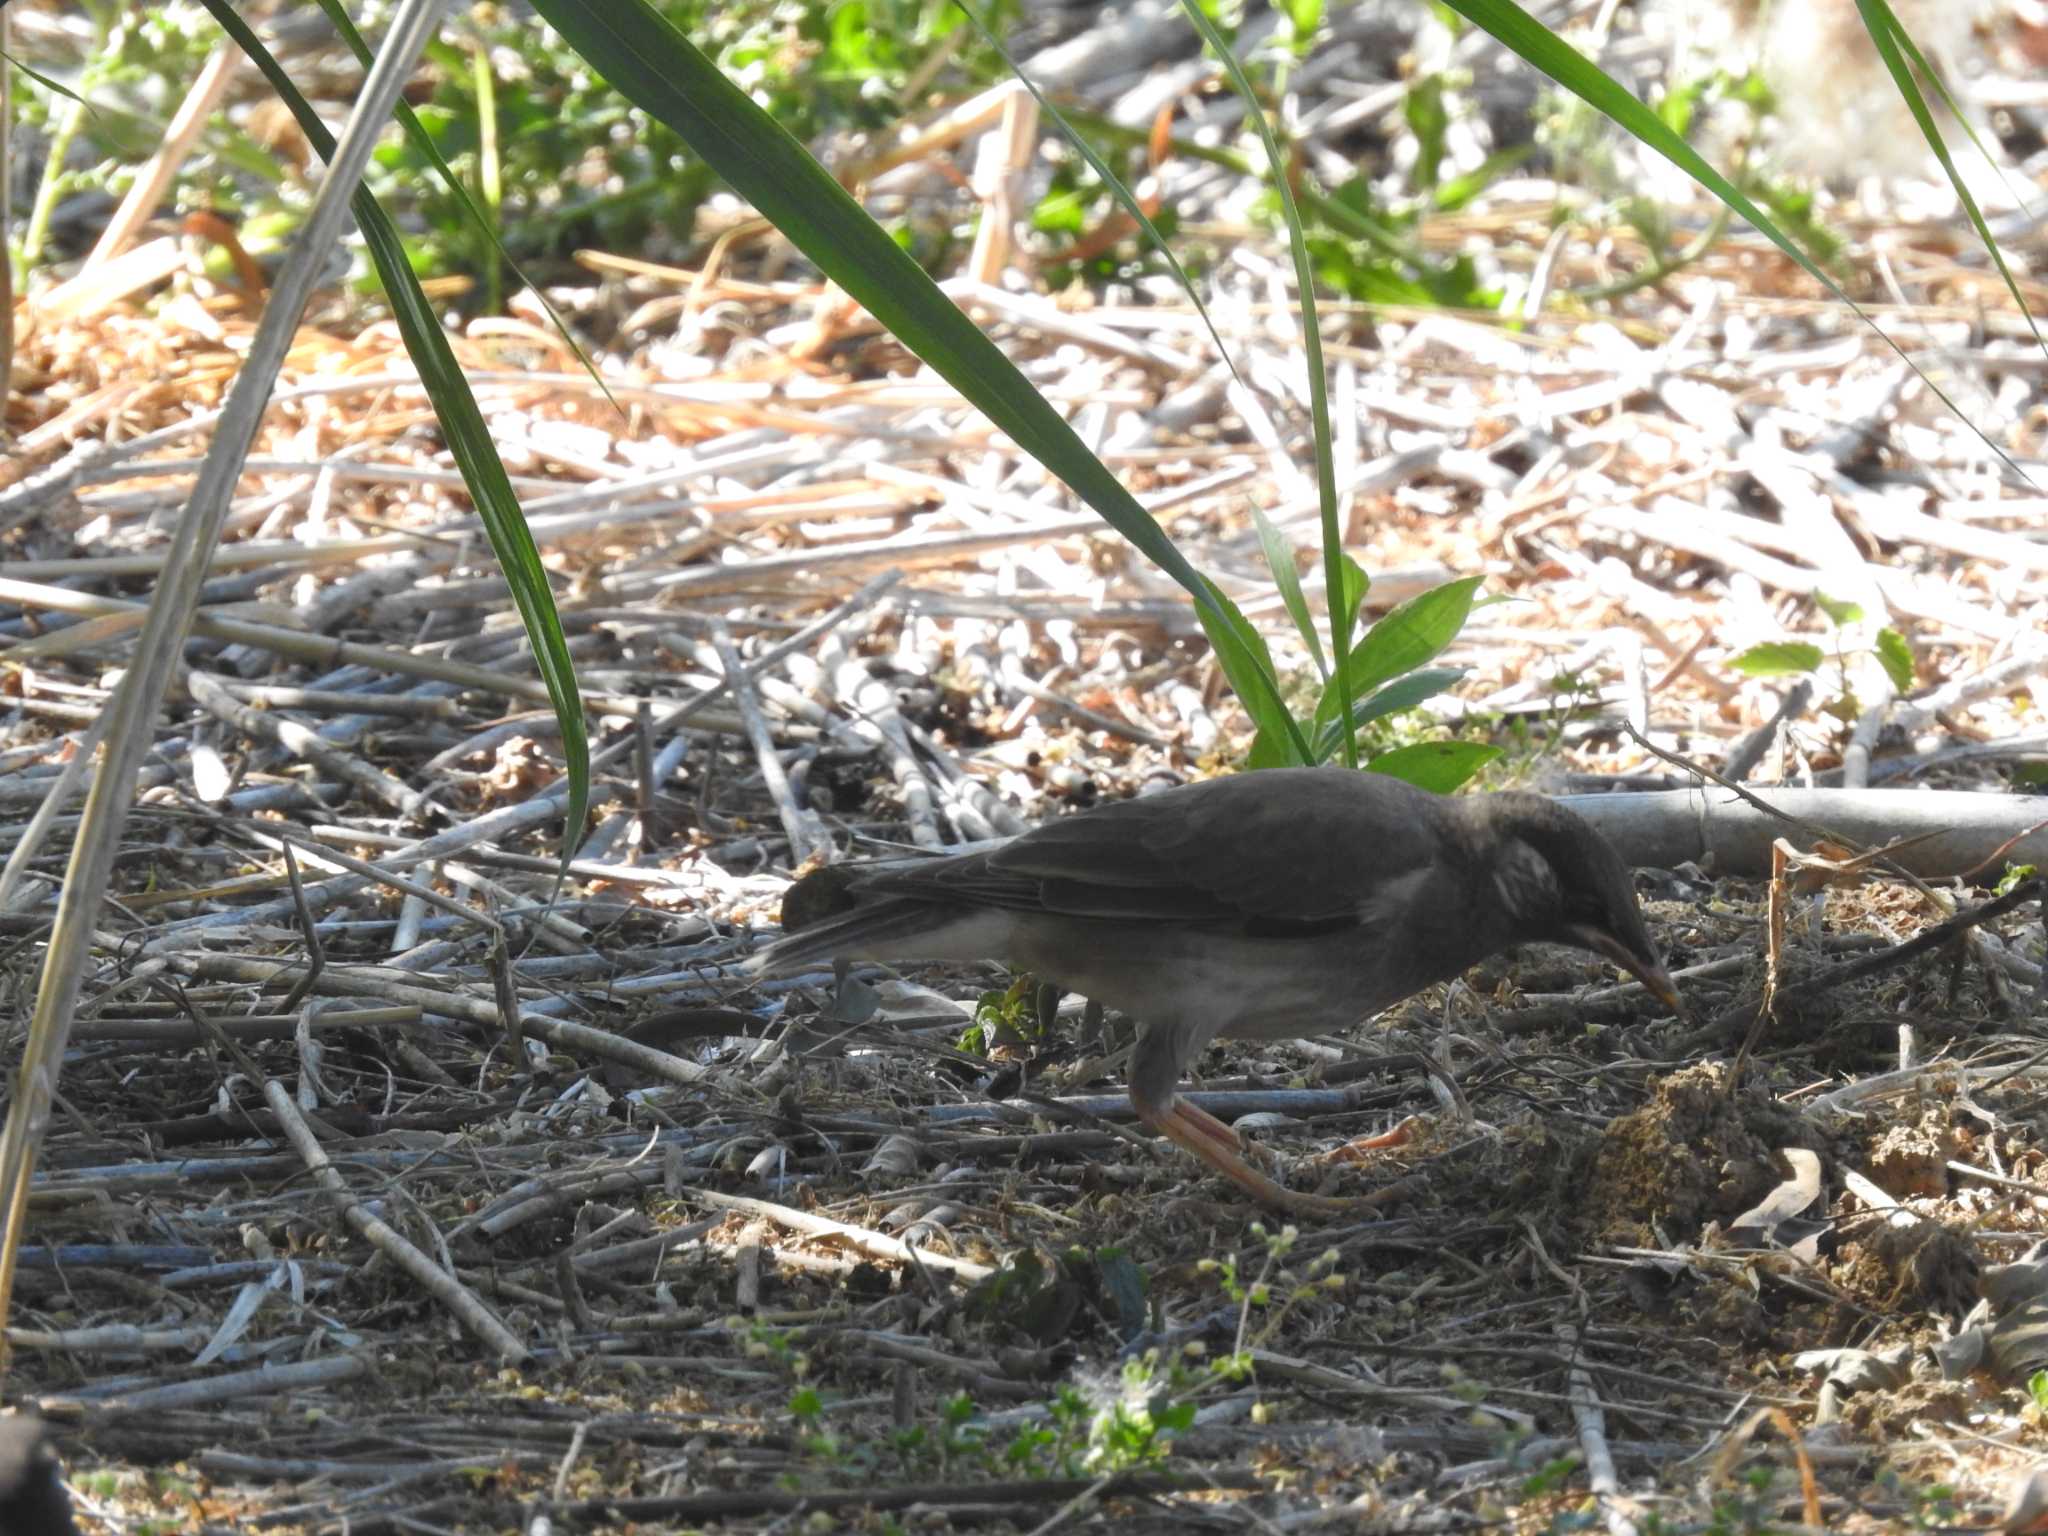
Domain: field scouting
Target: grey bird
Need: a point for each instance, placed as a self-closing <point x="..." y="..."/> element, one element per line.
<point x="32" y="1497"/>
<point x="1260" y="906"/>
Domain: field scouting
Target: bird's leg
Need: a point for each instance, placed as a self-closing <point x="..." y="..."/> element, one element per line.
<point x="1202" y="1123"/>
<point x="1163" y="1112"/>
<point x="1184" y="1126"/>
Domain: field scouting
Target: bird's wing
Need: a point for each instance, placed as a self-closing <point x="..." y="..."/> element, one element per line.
<point x="1308" y="846"/>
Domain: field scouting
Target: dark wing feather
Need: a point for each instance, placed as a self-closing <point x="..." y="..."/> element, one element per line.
<point x="1310" y="846"/>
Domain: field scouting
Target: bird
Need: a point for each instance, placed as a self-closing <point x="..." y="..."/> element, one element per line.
<point x="1263" y="905"/>
<point x="32" y="1497"/>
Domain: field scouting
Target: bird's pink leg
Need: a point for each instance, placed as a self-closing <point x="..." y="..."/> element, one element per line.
<point x="1155" y="1073"/>
<point x="1217" y="1145"/>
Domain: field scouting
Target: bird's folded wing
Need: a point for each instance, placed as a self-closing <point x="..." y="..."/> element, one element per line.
<point x="1304" y="847"/>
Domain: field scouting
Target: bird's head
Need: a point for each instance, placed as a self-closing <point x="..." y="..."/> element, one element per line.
<point x="1563" y="883"/>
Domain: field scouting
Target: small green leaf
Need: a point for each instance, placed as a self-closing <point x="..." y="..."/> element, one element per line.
<point x="1453" y="192"/>
<point x="1676" y="107"/>
<point x="1303" y="17"/>
<point x="1839" y="613"/>
<point x="1438" y="766"/>
<point x="1778" y="658"/>
<point x="2014" y="874"/>
<point x="1429" y="121"/>
<point x="1356" y="584"/>
<point x="1895" y="655"/>
<point x="1287" y="577"/>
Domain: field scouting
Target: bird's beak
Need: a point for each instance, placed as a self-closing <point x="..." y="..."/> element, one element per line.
<point x="1650" y="973"/>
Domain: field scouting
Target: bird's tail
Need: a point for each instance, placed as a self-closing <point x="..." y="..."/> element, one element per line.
<point x="870" y="930"/>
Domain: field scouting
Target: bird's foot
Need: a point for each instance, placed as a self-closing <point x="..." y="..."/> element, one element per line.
<point x="1216" y="1144"/>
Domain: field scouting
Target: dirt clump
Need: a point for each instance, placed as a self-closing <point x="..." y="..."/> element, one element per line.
<point x="1690" y="1155"/>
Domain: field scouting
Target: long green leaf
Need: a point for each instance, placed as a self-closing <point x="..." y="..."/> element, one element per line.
<point x="1110" y="179"/>
<point x="1532" y="42"/>
<point x="485" y="224"/>
<point x="462" y="424"/>
<point x="1241" y="652"/>
<point x="1895" y="47"/>
<point x="659" y="70"/>
<point x="1403" y="693"/>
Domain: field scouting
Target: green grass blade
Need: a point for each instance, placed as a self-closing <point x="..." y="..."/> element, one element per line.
<point x="1896" y="48"/>
<point x="1287" y="577"/>
<point x="462" y="424"/>
<point x="1312" y="361"/>
<point x="54" y="87"/>
<point x="1530" y="41"/>
<point x="486" y="224"/>
<point x="1241" y="652"/>
<point x="1110" y="179"/>
<point x="662" y="72"/>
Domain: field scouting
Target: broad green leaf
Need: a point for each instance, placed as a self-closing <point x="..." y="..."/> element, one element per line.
<point x="1406" y="692"/>
<point x="1779" y="658"/>
<point x="1287" y="577"/>
<point x="659" y="70"/>
<point x="1271" y="751"/>
<point x="1438" y="766"/>
<point x="1896" y="657"/>
<point x="462" y="425"/>
<point x="1839" y="613"/>
<point x="1408" y="637"/>
<point x="1403" y="693"/>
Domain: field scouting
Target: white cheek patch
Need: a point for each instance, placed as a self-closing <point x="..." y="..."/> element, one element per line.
<point x="1526" y="882"/>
